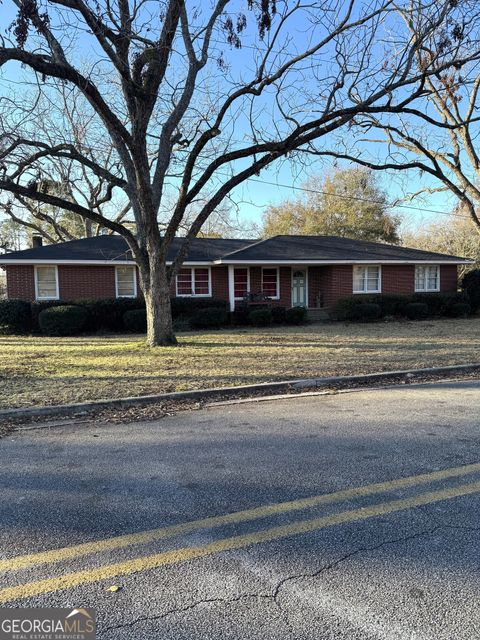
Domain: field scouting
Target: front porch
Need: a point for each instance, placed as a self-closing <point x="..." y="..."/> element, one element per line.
<point x="309" y="286"/>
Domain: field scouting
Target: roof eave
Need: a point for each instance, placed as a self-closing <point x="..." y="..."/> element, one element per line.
<point x="328" y="262"/>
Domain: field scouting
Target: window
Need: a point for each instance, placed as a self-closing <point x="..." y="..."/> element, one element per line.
<point x="427" y="277"/>
<point x="194" y="282"/>
<point x="46" y="283"/>
<point x="241" y="283"/>
<point x="126" y="282"/>
<point x="366" y="279"/>
<point x="270" y="282"/>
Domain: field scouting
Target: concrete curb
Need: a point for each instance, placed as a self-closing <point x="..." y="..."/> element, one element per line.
<point x="233" y="392"/>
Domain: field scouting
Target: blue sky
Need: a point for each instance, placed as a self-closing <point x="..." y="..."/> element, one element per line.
<point x="252" y="197"/>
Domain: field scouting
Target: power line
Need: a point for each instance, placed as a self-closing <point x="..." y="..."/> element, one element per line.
<point x="337" y="195"/>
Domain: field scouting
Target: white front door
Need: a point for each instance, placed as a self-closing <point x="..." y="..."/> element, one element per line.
<point x="299" y="288"/>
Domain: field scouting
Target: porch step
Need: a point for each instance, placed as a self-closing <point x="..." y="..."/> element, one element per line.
<point x="318" y="315"/>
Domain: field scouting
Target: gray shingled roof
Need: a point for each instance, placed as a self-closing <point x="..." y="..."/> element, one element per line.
<point x="319" y="248"/>
<point x="113" y="248"/>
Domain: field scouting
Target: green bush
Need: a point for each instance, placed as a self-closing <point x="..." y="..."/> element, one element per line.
<point x="209" y="318"/>
<point x="437" y="303"/>
<point x="182" y="323"/>
<point x="66" y="320"/>
<point x="416" y="310"/>
<point x="260" y="317"/>
<point x="459" y="310"/>
<point x="135" y="320"/>
<point x="295" y="315"/>
<point x="471" y="286"/>
<point x="108" y="313"/>
<point x="390" y="305"/>
<point x="239" y="317"/>
<point x="366" y="312"/>
<point x="15" y="316"/>
<point x="187" y="306"/>
<point x="279" y="315"/>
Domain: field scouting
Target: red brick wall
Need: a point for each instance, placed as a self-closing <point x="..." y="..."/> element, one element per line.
<point x="20" y="282"/>
<point x="84" y="282"/>
<point x="220" y="283"/>
<point x="448" y="277"/>
<point x="327" y="284"/>
<point x="330" y="283"/>
<point x="398" y="278"/>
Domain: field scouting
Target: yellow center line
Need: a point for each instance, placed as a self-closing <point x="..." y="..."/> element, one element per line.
<point x="120" y="542"/>
<point x="175" y="556"/>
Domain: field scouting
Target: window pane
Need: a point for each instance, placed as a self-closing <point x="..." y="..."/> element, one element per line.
<point x="47" y="282"/>
<point x="240" y="282"/>
<point x="359" y="278"/>
<point x="201" y="282"/>
<point x="125" y="282"/>
<point x="269" y="282"/>
<point x="184" y="282"/>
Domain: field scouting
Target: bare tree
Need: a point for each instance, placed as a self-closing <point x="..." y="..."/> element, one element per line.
<point x="58" y="173"/>
<point x="189" y="116"/>
<point x="442" y="141"/>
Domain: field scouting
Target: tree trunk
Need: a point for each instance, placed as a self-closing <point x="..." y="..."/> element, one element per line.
<point x="156" y="290"/>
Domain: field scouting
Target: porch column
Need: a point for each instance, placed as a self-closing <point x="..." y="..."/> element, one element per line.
<point x="231" y="287"/>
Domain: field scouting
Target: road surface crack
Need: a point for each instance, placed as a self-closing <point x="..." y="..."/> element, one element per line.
<point x="274" y="595"/>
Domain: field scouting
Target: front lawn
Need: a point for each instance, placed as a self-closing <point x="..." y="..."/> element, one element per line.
<point x="41" y="371"/>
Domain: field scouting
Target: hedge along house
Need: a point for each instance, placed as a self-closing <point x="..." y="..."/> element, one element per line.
<point x="310" y="271"/>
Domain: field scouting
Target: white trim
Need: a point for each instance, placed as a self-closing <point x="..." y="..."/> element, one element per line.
<point x="35" y="277"/>
<point x="194" y="295"/>
<point x="277" y="297"/>
<point x="134" y="281"/>
<point x="438" y="288"/>
<point x="306" y="285"/>
<point x="248" y="279"/>
<point x="254" y="263"/>
<point x="365" y="292"/>
<point x="231" y="290"/>
<point x="109" y="263"/>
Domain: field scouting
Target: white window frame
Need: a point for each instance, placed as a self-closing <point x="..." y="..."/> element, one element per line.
<point x="424" y="289"/>
<point x="135" y="288"/>
<point x="49" y="266"/>
<point x="248" y="280"/>
<point x="277" y="297"/>
<point x="195" y="295"/>
<point x="365" y="291"/>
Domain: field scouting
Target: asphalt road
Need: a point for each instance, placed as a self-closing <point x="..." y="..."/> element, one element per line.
<point x="349" y="516"/>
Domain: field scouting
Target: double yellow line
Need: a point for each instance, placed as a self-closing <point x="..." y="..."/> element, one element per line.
<point x="235" y="542"/>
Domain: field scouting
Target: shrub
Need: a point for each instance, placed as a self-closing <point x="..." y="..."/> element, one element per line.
<point x="459" y="310"/>
<point x="187" y="306"/>
<point x="239" y="317"/>
<point x="108" y="313"/>
<point x="471" y="286"/>
<point x="182" y="323"/>
<point x="15" y="316"/>
<point x="416" y="310"/>
<point x="209" y="318"/>
<point x="295" y="315"/>
<point x="390" y="304"/>
<point x="135" y="320"/>
<point x="261" y="317"/>
<point x="66" y="320"/>
<point x="279" y="314"/>
<point x="366" y="312"/>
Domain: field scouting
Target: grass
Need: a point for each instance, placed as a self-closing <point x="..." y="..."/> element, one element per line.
<point x="40" y="371"/>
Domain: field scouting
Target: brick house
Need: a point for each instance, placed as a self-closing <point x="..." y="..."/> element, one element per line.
<point x="311" y="271"/>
